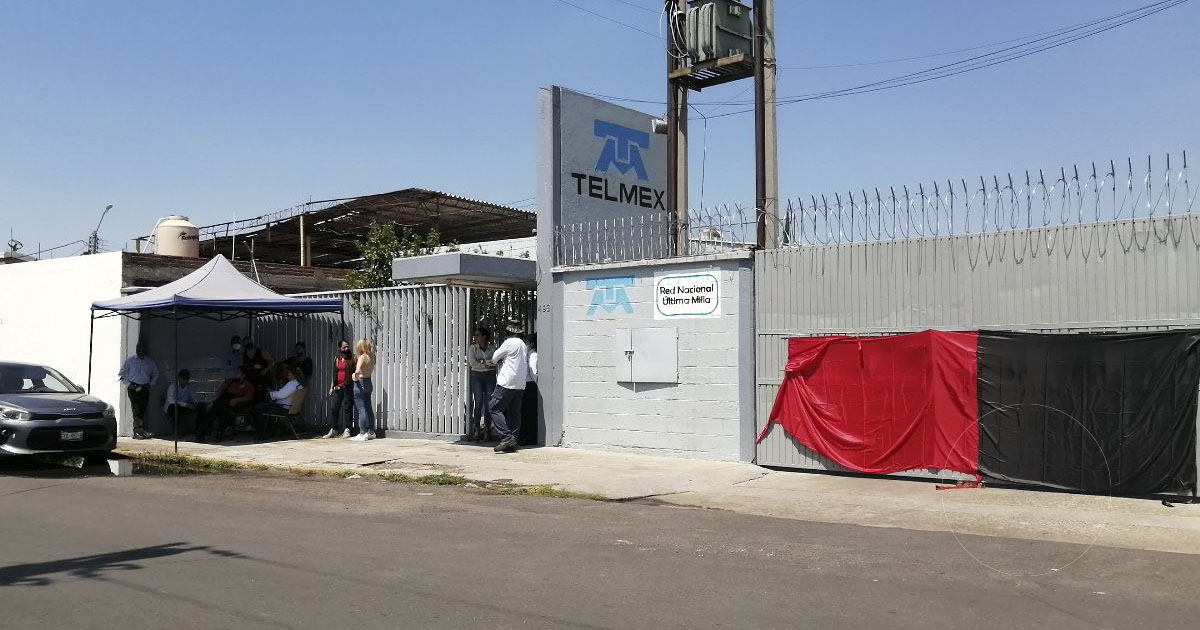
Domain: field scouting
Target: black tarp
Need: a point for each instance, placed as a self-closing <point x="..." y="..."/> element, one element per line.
<point x="1093" y="412"/>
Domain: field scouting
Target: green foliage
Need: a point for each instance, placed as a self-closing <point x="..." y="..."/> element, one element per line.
<point x="386" y="242"/>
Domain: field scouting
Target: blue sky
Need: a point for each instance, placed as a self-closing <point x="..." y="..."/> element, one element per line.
<point x="215" y="108"/>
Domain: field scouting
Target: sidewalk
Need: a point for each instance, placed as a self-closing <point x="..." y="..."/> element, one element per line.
<point x="746" y="488"/>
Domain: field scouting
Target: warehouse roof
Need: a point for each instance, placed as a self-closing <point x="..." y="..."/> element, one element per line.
<point x="334" y="228"/>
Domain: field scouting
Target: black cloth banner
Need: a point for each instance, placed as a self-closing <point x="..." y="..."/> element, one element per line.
<point x="1093" y="412"/>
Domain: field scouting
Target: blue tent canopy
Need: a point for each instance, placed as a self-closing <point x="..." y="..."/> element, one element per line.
<point x="217" y="287"/>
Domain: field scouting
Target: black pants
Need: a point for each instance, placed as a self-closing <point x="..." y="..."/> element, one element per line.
<point x="139" y="399"/>
<point x="186" y="415"/>
<point x="341" y="415"/>
<point x="221" y="415"/>
<point x="505" y="410"/>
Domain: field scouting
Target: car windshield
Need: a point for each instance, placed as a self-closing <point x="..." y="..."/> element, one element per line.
<point x="33" y="379"/>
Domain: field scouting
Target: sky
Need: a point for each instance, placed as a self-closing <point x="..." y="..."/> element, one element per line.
<point x="228" y="108"/>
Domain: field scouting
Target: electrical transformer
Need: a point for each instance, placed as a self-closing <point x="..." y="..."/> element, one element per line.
<point x="716" y="29"/>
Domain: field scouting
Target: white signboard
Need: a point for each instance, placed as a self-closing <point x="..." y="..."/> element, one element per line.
<point x="687" y="295"/>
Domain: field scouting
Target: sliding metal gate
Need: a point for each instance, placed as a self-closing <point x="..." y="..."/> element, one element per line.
<point x="421" y="335"/>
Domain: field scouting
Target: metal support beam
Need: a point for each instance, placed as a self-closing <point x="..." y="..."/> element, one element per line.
<point x="677" y="119"/>
<point x="766" y="154"/>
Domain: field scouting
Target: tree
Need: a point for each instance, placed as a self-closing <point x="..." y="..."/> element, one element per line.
<point x="383" y="244"/>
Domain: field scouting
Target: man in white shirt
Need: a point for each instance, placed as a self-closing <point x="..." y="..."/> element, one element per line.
<point x="512" y="372"/>
<point x="280" y="402"/>
<point x="138" y="374"/>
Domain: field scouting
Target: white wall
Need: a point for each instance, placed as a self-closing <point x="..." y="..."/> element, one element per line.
<point x="708" y="414"/>
<point x="44" y="316"/>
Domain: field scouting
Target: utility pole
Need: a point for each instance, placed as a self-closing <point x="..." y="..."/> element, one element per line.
<point x="766" y="153"/>
<point x="677" y="119"/>
<point x="93" y="244"/>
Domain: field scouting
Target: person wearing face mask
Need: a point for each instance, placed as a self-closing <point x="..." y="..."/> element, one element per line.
<point x="257" y="363"/>
<point x="233" y="362"/>
<point x="341" y="415"/>
<point x="301" y="362"/>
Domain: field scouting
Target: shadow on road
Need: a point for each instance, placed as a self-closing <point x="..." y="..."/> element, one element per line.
<point x="42" y="573"/>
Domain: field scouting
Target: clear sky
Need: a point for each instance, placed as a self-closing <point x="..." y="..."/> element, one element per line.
<point x="220" y="107"/>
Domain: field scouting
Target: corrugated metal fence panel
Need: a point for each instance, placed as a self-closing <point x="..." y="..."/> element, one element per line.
<point x="1130" y="275"/>
<point x="420" y="336"/>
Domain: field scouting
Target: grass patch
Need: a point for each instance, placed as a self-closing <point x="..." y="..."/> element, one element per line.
<point x="182" y="464"/>
<point x="550" y="492"/>
<point x="439" y="479"/>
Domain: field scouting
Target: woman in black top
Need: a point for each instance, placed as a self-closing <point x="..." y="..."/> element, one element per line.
<point x="257" y="363"/>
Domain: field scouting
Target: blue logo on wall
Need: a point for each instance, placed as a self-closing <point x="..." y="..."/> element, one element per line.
<point x="622" y="149"/>
<point x="609" y="294"/>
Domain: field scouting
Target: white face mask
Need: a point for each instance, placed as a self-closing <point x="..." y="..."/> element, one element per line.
<point x="237" y="346"/>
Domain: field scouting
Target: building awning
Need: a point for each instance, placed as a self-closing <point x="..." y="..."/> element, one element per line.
<point x="466" y="269"/>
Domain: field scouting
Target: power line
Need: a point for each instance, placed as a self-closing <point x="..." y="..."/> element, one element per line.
<point x="880" y="62"/>
<point x="638" y="6"/>
<point x="609" y="19"/>
<point x="978" y="62"/>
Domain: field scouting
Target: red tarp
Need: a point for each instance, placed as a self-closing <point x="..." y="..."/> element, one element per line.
<point x="884" y="404"/>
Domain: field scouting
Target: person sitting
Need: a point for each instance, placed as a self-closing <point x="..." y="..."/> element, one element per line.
<point x="279" y="403"/>
<point x="181" y="401"/>
<point x="301" y="362"/>
<point x="235" y="397"/>
<point x="258" y="364"/>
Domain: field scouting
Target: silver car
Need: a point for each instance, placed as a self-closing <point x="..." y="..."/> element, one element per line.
<point x="42" y="411"/>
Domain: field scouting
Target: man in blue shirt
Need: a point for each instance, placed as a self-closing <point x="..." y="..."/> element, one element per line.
<point x="181" y="402"/>
<point x="138" y="374"/>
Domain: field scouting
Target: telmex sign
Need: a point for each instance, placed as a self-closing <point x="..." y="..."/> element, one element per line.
<point x="610" y="165"/>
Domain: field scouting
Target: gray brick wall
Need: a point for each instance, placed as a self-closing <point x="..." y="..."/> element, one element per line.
<point x="707" y="414"/>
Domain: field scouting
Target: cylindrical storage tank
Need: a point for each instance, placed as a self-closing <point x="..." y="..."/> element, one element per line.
<point x="176" y="236"/>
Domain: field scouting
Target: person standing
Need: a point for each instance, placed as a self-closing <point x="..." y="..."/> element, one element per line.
<point x="233" y="362"/>
<point x="363" y="388"/>
<point x="342" y="413"/>
<point x="138" y="374"/>
<point x="529" y="402"/>
<point x="512" y="361"/>
<point x="258" y="364"/>
<point x="483" y="381"/>
<point x="301" y="362"/>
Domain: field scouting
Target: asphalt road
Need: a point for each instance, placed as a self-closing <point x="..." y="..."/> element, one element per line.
<point x="266" y="551"/>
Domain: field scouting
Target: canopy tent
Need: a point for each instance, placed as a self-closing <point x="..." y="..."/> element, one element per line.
<point x="216" y="288"/>
<point x="215" y="291"/>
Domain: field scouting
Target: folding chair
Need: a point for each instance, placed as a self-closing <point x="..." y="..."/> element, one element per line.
<point x="296" y="411"/>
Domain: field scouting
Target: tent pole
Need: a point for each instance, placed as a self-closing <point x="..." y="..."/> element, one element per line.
<point x="91" y="338"/>
<point x="175" y="369"/>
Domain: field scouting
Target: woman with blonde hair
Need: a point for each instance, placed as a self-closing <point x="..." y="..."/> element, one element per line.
<point x="363" y="388"/>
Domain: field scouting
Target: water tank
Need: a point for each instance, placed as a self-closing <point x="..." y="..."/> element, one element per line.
<point x="176" y="236"/>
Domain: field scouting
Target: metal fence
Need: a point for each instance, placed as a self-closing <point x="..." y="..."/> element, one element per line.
<point x="653" y="236"/>
<point x="421" y="335"/>
<point x="966" y="283"/>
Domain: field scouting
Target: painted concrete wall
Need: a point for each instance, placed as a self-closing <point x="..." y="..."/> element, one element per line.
<point x="708" y="414"/>
<point x="44" y="308"/>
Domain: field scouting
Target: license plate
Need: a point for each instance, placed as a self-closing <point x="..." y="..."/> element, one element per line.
<point x="71" y="436"/>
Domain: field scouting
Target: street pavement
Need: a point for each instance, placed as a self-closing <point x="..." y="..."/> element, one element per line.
<point x="80" y="549"/>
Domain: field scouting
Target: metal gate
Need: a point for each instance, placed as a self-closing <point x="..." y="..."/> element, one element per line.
<point x="421" y="335"/>
<point x="967" y="283"/>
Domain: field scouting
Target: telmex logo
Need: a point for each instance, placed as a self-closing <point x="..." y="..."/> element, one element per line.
<point x="622" y="149"/>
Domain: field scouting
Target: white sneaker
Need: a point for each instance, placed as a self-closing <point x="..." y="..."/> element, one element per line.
<point x="331" y="434"/>
<point x="370" y="435"/>
<point x="345" y="434"/>
<point x="361" y="437"/>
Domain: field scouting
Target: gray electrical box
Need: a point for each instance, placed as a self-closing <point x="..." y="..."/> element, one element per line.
<point x="647" y="355"/>
<point x="716" y="29"/>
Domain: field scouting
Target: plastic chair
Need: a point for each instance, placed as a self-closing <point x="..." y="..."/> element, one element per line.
<point x="294" y="412"/>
